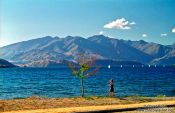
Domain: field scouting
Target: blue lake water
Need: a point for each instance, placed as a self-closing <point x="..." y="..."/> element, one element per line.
<point x="59" y="82"/>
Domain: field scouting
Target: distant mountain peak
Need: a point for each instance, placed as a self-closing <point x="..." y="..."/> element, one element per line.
<point x="56" y="37"/>
<point x="45" y="37"/>
<point x="69" y="36"/>
<point x="101" y="36"/>
<point x="74" y="37"/>
<point x="142" y="42"/>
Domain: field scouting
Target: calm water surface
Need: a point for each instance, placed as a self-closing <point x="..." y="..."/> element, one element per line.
<point x="59" y="82"/>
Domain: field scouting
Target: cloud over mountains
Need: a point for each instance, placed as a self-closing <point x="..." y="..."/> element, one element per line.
<point x="163" y="35"/>
<point x="173" y="30"/>
<point x="144" y="35"/>
<point x="120" y="23"/>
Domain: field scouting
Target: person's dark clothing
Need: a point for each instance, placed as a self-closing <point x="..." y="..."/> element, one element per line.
<point x="112" y="88"/>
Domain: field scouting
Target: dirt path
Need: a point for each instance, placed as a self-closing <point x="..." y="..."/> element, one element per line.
<point x="99" y="108"/>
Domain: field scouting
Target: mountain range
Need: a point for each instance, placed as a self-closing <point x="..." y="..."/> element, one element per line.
<point x="55" y="49"/>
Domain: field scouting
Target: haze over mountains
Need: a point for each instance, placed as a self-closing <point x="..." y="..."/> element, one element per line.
<point x="55" y="49"/>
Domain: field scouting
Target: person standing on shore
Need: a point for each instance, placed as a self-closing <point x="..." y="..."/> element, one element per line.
<point x="111" y="88"/>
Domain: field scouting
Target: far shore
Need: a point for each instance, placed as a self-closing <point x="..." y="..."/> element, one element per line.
<point x="35" y="102"/>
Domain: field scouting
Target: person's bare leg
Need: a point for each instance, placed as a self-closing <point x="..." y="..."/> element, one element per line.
<point x="112" y="93"/>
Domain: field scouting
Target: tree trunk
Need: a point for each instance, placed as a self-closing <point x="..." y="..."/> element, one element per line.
<point x="82" y="87"/>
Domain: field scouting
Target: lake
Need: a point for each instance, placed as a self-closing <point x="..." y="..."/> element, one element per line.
<point x="59" y="82"/>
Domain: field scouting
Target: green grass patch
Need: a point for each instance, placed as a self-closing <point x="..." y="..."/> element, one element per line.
<point x="89" y="98"/>
<point x="161" y="96"/>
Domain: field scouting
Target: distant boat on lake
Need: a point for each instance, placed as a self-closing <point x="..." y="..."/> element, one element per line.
<point x="109" y="66"/>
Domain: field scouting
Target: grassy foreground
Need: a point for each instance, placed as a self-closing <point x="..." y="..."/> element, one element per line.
<point x="35" y="102"/>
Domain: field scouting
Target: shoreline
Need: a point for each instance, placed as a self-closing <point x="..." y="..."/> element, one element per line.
<point x="35" y="102"/>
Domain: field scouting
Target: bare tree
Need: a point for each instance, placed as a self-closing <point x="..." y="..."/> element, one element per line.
<point x="83" y="69"/>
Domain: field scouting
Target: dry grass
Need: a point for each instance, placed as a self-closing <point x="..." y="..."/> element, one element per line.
<point x="45" y="103"/>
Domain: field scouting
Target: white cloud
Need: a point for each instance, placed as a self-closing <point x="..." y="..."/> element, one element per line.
<point x="121" y="23"/>
<point x="163" y="34"/>
<point x="173" y="30"/>
<point x="101" y="33"/>
<point x="144" y="35"/>
<point x="132" y="23"/>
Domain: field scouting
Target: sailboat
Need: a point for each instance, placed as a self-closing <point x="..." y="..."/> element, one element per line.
<point x="109" y="66"/>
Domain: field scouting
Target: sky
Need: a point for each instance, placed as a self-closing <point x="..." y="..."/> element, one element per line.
<point x="149" y="20"/>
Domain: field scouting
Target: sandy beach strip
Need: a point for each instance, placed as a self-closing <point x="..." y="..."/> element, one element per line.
<point x="106" y="108"/>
